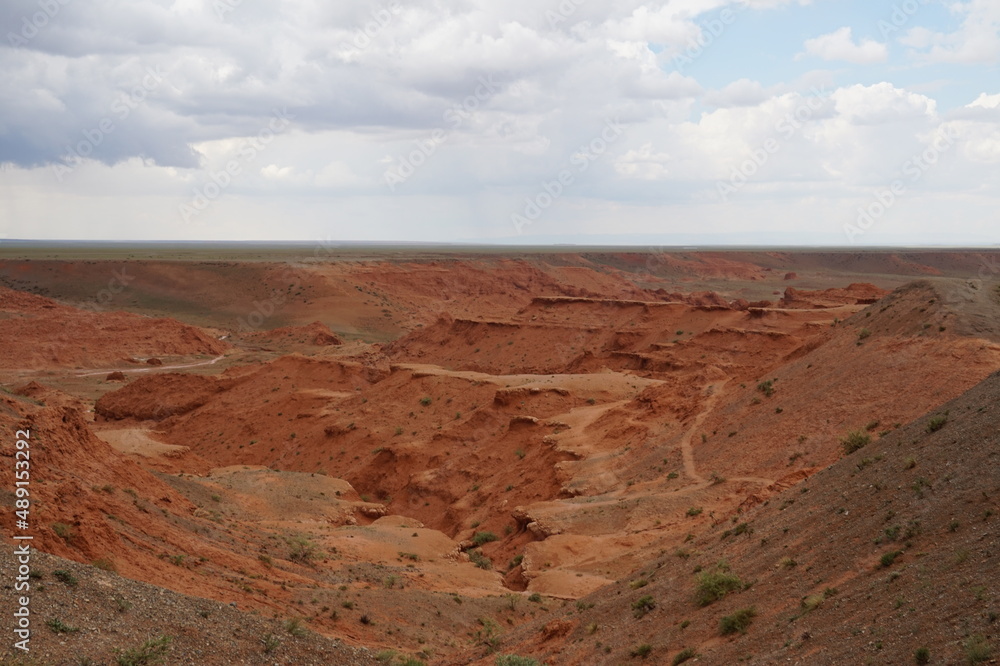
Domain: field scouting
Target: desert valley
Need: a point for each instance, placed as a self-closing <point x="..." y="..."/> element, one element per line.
<point x="568" y="457"/>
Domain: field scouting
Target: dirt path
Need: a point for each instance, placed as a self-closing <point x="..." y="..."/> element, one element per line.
<point x="617" y="383"/>
<point x="152" y="367"/>
<point x="687" y="449"/>
<point x="136" y="441"/>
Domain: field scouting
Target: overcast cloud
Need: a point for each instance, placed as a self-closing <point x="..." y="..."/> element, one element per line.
<point x="530" y="120"/>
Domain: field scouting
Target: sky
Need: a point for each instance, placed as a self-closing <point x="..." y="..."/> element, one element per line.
<point x="791" y="122"/>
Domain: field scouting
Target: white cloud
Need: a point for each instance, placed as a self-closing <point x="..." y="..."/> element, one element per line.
<point x="840" y="45"/>
<point x="738" y="93"/>
<point x="365" y="92"/>
<point x="976" y="41"/>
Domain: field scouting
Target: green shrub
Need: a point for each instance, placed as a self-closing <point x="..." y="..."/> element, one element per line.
<point x="922" y="656"/>
<point x="294" y="627"/>
<point x="738" y="621"/>
<point x="937" y="423"/>
<point x="684" y="655"/>
<point x="480" y="560"/>
<point x="714" y="585"/>
<point x="812" y="602"/>
<point x="60" y="627"/>
<point x="863" y="334"/>
<point x="151" y="652"/>
<point x="887" y="559"/>
<point x="104" y="564"/>
<point x="694" y="511"/>
<point x="643" y="605"/>
<point x="515" y="660"/>
<point x="977" y="650"/>
<point x="65" y="577"/>
<point x="270" y="642"/>
<point x="63" y="531"/>
<point x="766" y="387"/>
<point x="488" y="633"/>
<point x="855" y="440"/>
<point x="642" y="651"/>
<point x="535" y="598"/>
<point x="479" y="538"/>
<point x="302" y="550"/>
<point x="426" y="400"/>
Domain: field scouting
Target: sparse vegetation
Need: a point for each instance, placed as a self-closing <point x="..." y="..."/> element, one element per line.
<point x="476" y="557"/>
<point x="302" y="550"/>
<point x="641" y="651"/>
<point x="63" y="531"/>
<point x="922" y="656"/>
<point x="642" y="606"/>
<point x="152" y="651"/>
<point x="812" y="602"/>
<point x="480" y="538"/>
<point x="683" y="655"/>
<point x="694" y="511"/>
<point x="714" y="585"/>
<point x="937" y="422"/>
<point x="977" y="650"/>
<point x="270" y="642"/>
<point x="515" y="660"/>
<point x="738" y="621"/>
<point x="889" y="558"/>
<point x="104" y="564"/>
<point x="60" y="627"/>
<point x="294" y="627"/>
<point x="488" y="633"/>
<point x="766" y="387"/>
<point x="854" y="441"/>
<point x="65" y="577"/>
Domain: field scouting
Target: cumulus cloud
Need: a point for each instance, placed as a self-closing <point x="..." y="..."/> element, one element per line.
<point x="743" y="92"/>
<point x="976" y="41"/>
<point x="141" y="104"/>
<point x="840" y="45"/>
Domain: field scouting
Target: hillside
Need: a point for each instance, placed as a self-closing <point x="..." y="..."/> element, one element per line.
<point x="891" y="549"/>
<point x="424" y="456"/>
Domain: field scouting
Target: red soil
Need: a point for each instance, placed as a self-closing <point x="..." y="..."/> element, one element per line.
<point x="559" y="424"/>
